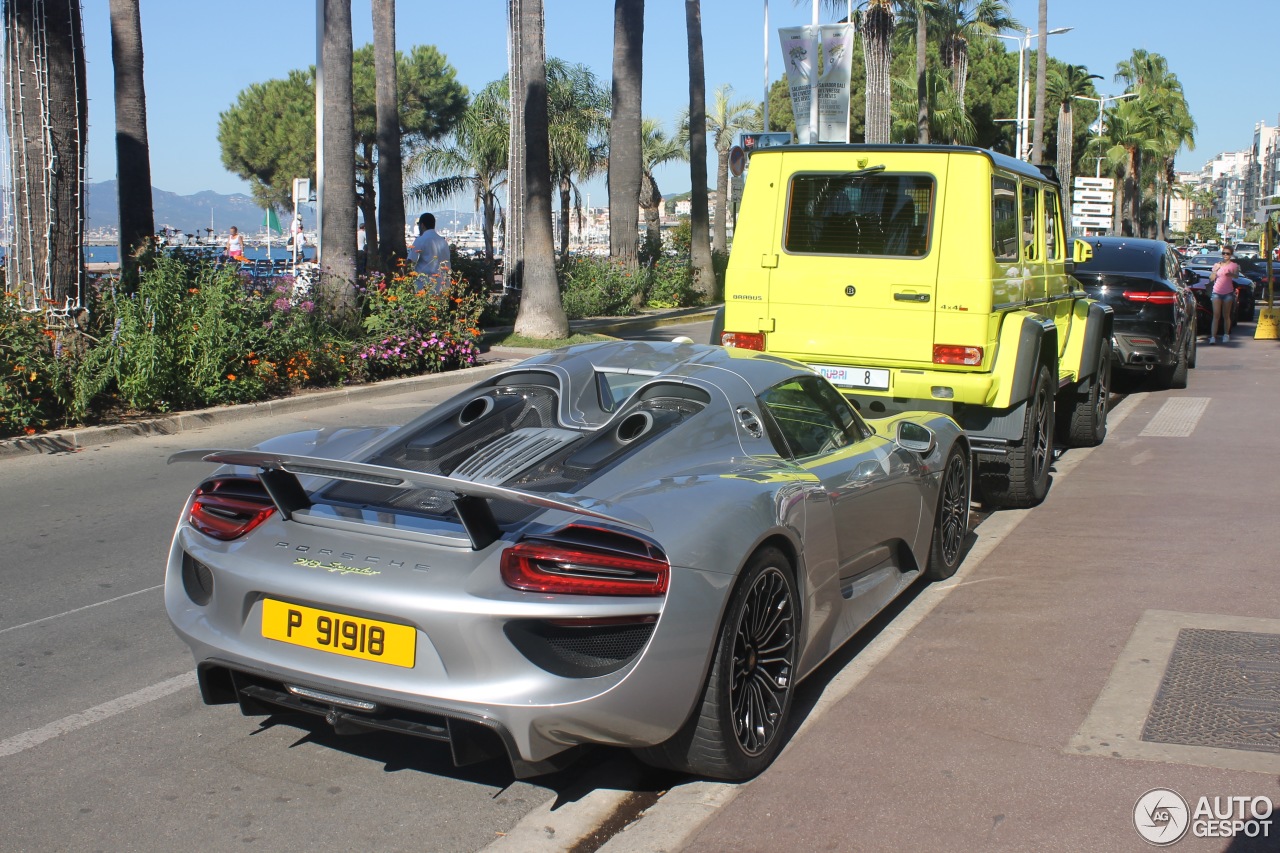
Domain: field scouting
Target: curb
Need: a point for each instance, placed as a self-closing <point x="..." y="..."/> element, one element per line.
<point x="73" y="440"/>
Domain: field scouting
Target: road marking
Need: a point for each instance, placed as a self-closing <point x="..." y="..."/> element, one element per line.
<point x="1177" y="418"/>
<point x="98" y="713"/>
<point x="79" y="609"/>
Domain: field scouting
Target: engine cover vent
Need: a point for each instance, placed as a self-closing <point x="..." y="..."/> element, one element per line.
<point x="508" y="456"/>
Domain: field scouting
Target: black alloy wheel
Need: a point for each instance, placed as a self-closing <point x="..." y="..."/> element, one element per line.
<point x="1021" y="479"/>
<point x="760" y="681"/>
<point x="952" y="523"/>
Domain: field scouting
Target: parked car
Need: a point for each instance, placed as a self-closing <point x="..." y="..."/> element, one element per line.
<point x="1247" y="250"/>
<point x="1154" y="320"/>
<point x="1202" y="266"/>
<point x="1255" y="269"/>
<point x="638" y="544"/>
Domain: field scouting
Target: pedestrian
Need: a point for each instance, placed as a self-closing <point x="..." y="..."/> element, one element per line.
<point x="362" y="253"/>
<point x="1224" y="294"/>
<point x="295" y="233"/>
<point x="430" y="253"/>
<point x="235" y="245"/>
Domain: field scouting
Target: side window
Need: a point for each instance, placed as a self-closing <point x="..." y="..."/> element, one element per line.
<point x="811" y="417"/>
<point x="1030" y="223"/>
<point x="1004" y="219"/>
<point x="1052" y="225"/>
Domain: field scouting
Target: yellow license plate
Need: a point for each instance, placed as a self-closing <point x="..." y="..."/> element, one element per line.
<point x="338" y="633"/>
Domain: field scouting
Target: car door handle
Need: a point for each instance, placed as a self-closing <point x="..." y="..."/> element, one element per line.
<point x="911" y="297"/>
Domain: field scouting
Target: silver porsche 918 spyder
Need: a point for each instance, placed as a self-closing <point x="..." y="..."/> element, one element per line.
<point x="645" y="545"/>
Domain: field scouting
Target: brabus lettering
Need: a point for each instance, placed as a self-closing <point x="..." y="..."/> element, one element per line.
<point x="748" y="297"/>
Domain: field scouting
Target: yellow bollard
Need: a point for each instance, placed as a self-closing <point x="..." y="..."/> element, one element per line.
<point x="1268" y="328"/>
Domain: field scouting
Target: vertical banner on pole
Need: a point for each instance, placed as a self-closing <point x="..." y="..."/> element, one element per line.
<point x="800" y="55"/>
<point x="833" y="84"/>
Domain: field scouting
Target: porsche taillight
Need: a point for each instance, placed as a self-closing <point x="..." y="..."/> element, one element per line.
<point x="568" y="568"/>
<point x="227" y="508"/>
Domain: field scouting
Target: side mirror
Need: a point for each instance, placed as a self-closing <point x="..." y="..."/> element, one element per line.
<point x="915" y="437"/>
<point x="1081" y="252"/>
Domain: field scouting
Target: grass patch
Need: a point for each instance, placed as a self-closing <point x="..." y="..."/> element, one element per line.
<point x="514" y="340"/>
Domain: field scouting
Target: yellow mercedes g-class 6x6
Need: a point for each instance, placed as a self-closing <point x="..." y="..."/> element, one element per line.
<point x="926" y="277"/>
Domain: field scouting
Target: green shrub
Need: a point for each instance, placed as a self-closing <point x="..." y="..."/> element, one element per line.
<point x="598" y="287"/>
<point x="410" y="328"/>
<point x="671" y="283"/>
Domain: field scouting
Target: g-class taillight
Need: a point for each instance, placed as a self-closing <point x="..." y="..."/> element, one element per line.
<point x="227" y="508"/>
<point x="956" y="354"/>
<point x="541" y="565"/>
<point x="743" y="340"/>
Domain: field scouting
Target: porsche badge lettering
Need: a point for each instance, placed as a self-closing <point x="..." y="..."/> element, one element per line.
<point x="343" y="563"/>
<point x="335" y="567"/>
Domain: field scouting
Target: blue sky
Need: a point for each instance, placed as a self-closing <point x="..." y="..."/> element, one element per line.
<point x="199" y="55"/>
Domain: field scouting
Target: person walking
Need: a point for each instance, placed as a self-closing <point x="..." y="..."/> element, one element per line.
<point x="235" y="245"/>
<point x="1223" y="296"/>
<point x="362" y="250"/>
<point x="430" y="253"/>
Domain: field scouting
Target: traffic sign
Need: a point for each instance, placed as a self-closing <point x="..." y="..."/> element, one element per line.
<point x="1091" y="210"/>
<point x="1091" y="222"/>
<point x="1093" y="195"/>
<point x="1095" y="183"/>
<point x="737" y="161"/>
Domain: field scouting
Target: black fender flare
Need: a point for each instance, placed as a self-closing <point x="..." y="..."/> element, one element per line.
<point x="1037" y="344"/>
<point x="1097" y="330"/>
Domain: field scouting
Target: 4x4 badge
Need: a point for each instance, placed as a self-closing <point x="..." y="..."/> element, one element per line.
<point x="850" y="290"/>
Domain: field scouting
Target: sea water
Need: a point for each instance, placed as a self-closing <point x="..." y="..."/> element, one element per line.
<point x="111" y="254"/>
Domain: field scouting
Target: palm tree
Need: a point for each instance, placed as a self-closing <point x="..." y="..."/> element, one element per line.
<point x="578" y="118"/>
<point x="1042" y="59"/>
<point x="1063" y="88"/>
<point x="1129" y="134"/>
<point x="133" y="157"/>
<point x="946" y="119"/>
<point x="656" y="148"/>
<point x="704" y="274"/>
<point x="876" y="25"/>
<point x="338" y="194"/>
<point x="541" y="313"/>
<point x="47" y="126"/>
<point x="474" y="162"/>
<point x="391" y="218"/>
<point x="959" y="22"/>
<point x="1160" y="93"/>
<point x="726" y="119"/>
<point x="625" y="130"/>
<point x="916" y="13"/>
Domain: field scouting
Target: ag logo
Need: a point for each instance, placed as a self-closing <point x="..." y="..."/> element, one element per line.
<point x="850" y="290"/>
<point x="1161" y="817"/>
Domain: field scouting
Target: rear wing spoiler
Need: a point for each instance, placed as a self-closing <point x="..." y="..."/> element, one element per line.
<point x="279" y="474"/>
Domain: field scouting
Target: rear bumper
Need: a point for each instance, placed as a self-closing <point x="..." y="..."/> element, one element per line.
<point x="1145" y="346"/>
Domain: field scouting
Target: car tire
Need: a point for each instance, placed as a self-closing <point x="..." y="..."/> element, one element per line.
<point x="1175" y="376"/>
<point x="1021" y="479"/>
<point x="739" y="725"/>
<point x="1191" y="347"/>
<point x="1085" y="421"/>
<point x="951" y="521"/>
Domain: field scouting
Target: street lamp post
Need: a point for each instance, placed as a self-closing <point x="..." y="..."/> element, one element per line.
<point x="1102" y="111"/>
<point x="1023" y="120"/>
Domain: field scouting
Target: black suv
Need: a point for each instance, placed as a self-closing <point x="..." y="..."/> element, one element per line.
<point x="1154" y="320"/>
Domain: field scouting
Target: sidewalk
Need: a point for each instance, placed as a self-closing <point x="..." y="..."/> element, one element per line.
<point x="1012" y="716"/>
<point x="494" y="360"/>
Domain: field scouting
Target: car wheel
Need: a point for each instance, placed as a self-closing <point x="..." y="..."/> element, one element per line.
<point x="737" y="729"/>
<point x="1191" y="348"/>
<point x="951" y="524"/>
<point x="1086" y="419"/>
<point x="1176" y="376"/>
<point x="1022" y="478"/>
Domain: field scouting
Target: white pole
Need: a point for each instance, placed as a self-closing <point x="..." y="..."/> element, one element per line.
<point x="813" y="85"/>
<point x="766" y="67"/>
<point x="320" y="24"/>
<point x="1022" y="93"/>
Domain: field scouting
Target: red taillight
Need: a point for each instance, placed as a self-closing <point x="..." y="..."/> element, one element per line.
<point x="549" y="567"/>
<point x="229" y="508"/>
<point x="954" y="354"/>
<point x="743" y="340"/>
<point x="1151" y="298"/>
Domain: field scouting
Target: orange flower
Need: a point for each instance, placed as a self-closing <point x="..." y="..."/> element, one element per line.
<point x="33" y="376"/>
<point x="231" y="376"/>
<point x="30" y="430"/>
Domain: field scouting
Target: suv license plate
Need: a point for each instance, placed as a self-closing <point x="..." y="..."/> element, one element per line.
<point x="353" y="636"/>
<point x="854" y="377"/>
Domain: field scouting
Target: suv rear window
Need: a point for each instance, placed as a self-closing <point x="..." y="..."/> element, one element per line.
<point x="860" y="213"/>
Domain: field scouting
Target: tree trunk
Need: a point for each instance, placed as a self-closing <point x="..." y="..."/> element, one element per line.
<point x="651" y="201"/>
<point x="704" y="273"/>
<point x="719" y="232"/>
<point x="47" y="111"/>
<point x="962" y="75"/>
<point x="1066" y="142"/>
<point x="877" y="30"/>
<point x="487" y="228"/>
<point x="1042" y="64"/>
<point x="922" y="87"/>
<point x="367" y="202"/>
<point x="541" y="312"/>
<point x="566" y="190"/>
<point x="624" y="130"/>
<point x="513" y="241"/>
<point x="133" y="159"/>
<point x="1132" y="197"/>
<point x="338" y="228"/>
<point x="391" y="218"/>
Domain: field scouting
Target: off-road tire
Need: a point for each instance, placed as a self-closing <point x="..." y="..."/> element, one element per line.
<point x="1191" y="348"/>
<point x="951" y="521"/>
<point x="724" y="738"/>
<point x="1021" y="478"/>
<point x="1085" y="420"/>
